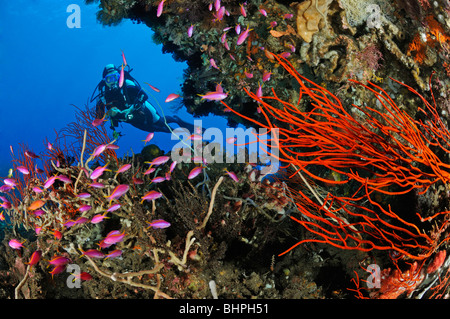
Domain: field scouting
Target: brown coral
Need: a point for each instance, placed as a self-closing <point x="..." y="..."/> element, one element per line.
<point x="309" y="15"/>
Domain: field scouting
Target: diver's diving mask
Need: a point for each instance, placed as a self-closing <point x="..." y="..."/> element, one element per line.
<point x="111" y="78"/>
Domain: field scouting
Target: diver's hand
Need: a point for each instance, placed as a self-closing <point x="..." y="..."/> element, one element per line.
<point x="114" y="111"/>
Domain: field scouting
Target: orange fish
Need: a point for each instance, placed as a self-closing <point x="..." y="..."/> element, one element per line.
<point x="153" y="88"/>
<point x="36" y="205"/>
<point x="171" y="97"/>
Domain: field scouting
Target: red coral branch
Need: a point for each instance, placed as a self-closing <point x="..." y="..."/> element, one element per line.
<point x="388" y="153"/>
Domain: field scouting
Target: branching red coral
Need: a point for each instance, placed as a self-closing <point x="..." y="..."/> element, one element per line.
<point x="389" y="153"/>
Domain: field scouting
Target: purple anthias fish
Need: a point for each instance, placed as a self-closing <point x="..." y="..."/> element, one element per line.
<point x="98" y="172"/>
<point x="23" y="170"/>
<point x="50" y="181"/>
<point x="158" y="223"/>
<point x="124" y="168"/>
<point x="98" y="218"/>
<point x="93" y="253"/>
<point x="114" y="254"/>
<point x="195" y="172"/>
<point x="114" y="237"/>
<point x="159" y="160"/>
<point x="118" y="191"/>
<point x="151" y="195"/>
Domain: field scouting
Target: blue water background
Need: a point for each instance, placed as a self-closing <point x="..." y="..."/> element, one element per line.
<point x="46" y="66"/>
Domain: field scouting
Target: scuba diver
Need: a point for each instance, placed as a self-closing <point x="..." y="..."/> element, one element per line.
<point x="129" y="104"/>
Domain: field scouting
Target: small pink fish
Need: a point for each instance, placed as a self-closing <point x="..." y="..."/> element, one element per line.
<point x="259" y="91"/>
<point x="123" y="59"/>
<point x="231" y="140"/>
<point x="81" y="220"/>
<point x="137" y="181"/>
<point x="149" y="171"/>
<point x="273" y="24"/>
<point x="57" y="270"/>
<point x="247" y="74"/>
<point x="96" y="173"/>
<point x="57" y="234"/>
<point x="64" y="179"/>
<point x="93" y="253"/>
<point x="96" y="185"/>
<point x="23" y="170"/>
<point x="6" y="205"/>
<point x="190" y="31"/>
<point x="38" y="212"/>
<point x="112" y="147"/>
<point x="195" y="137"/>
<point x="98" y="218"/>
<point x="50" y="181"/>
<point x="225" y="44"/>
<point x="30" y="154"/>
<point x="214" y="96"/>
<point x="238" y="29"/>
<point x="172" y="166"/>
<point x="288" y="16"/>
<point x="114" y="237"/>
<point x="59" y="260"/>
<point x="39" y="171"/>
<point x="69" y="223"/>
<point x="49" y="146"/>
<point x="285" y="54"/>
<point x="195" y="172"/>
<point x="122" y="77"/>
<point x="118" y="191"/>
<point x="223" y="38"/>
<point x="5" y="188"/>
<point x="98" y="150"/>
<point x="217" y="5"/>
<point x="171" y="97"/>
<point x="113" y="207"/>
<point x="15" y="244"/>
<point x="263" y="12"/>
<point x="160" y="8"/>
<point x="158" y="179"/>
<point x="232" y="175"/>
<point x="266" y="76"/>
<point x="219" y="89"/>
<point x="84" y="195"/>
<point x="84" y="208"/>
<point x="212" y="62"/>
<point x="220" y="14"/>
<point x="149" y="137"/>
<point x="159" y="160"/>
<point x="114" y="254"/>
<point x="243" y="12"/>
<point x="124" y="168"/>
<point x="10" y="182"/>
<point x="153" y="88"/>
<point x="98" y="122"/>
<point x="243" y="36"/>
<point x="37" y="190"/>
<point x="158" y="223"/>
<point x="34" y="259"/>
<point x="103" y="245"/>
<point x="151" y="195"/>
